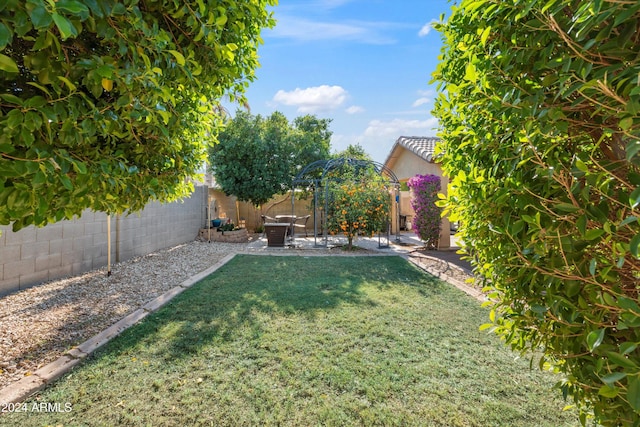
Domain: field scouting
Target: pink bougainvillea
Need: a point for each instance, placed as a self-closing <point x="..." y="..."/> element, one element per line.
<point x="427" y="221"/>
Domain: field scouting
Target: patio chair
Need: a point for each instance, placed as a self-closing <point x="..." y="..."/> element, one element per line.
<point x="266" y="218"/>
<point x="301" y="222"/>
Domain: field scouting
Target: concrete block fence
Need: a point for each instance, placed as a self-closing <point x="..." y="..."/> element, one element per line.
<point x="35" y="255"/>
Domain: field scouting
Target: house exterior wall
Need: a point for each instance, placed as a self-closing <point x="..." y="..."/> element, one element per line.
<point x="406" y="165"/>
<point x="34" y="255"/>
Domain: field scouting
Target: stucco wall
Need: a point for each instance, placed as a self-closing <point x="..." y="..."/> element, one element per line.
<point x="407" y="165"/>
<point x="34" y="255"/>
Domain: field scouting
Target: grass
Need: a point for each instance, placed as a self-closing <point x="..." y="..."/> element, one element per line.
<point x="307" y="341"/>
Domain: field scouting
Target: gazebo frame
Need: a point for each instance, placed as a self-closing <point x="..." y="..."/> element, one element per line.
<point x="315" y="175"/>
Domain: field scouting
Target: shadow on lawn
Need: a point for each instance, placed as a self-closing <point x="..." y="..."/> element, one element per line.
<point x="235" y="300"/>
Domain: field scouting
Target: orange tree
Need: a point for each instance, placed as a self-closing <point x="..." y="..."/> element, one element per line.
<point x="358" y="206"/>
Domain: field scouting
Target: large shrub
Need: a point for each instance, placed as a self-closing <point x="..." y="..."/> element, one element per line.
<point x="540" y="116"/>
<point x="427" y="221"/>
<point x="110" y="104"/>
<point x="359" y="205"/>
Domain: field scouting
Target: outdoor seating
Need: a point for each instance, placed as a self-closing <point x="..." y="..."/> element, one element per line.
<point x="276" y="233"/>
<point x="301" y="222"/>
<point x="287" y="219"/>
<point x="266" y="219"/>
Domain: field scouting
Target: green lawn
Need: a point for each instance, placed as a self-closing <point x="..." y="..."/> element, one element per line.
<point x="306" y="341"/>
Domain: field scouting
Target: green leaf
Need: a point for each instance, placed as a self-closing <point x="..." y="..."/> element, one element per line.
<point x="470" y="73"/>
<point x="105" y="71"/>
<point x="634" y="244"/>
<point x="581" y="223"/>
<point x="632" y="149"/>
<point x="608" y="391"/>
<point x="567" y="207"/>
<point x="67" y="82"/>
<point x="634" y="198"/>
<point x="5" y="36"/>
<point x="40" y="17"/>
<point x="65" y="26"/>
<point x="66" y="182"/>
<point x="179" y="57"/>
<point x="627" y="347"/>
<point x="72" y="6"/>
<point x="626" y="123"/>
<point x="593" y="234"/>
<point x="485" y="35"/>
<point x="79" y="167"/>
<point x="581" y="166"/>
<point x="119" y="9"/>
<point x="594" y="339"/>
<point x="11" y="99"/>
<point x="628" y="220"/>
<point x="7" y="64"/>
<point x="620" y="360"/>
<point x="633" y="392"/>
<point x="613" y="377"/>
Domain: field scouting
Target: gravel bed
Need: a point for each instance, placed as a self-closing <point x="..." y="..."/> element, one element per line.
<point x="39" y="324"/>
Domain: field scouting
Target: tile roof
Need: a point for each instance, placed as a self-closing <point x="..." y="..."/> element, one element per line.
<point x="422" y="146"/>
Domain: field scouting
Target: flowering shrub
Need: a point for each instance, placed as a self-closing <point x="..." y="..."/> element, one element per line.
<point x="427" y="221"/>
<point x="358" y="207"/>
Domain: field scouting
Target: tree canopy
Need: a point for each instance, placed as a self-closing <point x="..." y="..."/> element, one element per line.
<point x="539" y="106"/>
<point x="259" y="157"/>
<point x="353" y="151"/>
<point x="108" y="105"/>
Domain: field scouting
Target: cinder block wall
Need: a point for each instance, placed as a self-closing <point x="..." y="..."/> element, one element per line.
<point x="34" y="255"/>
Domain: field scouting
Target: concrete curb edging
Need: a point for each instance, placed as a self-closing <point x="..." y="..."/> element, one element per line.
<point x="27" y="386"/>
<point x="443" y="274"/>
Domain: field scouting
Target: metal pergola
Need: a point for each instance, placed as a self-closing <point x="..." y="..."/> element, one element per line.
<point x="319" y="174"/>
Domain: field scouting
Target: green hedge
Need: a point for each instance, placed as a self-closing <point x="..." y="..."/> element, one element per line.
<point x="540" y="112"/>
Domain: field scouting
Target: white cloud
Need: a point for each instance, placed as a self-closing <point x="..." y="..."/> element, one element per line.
<point x="421" y="101"/>
<point x="426" y="28"/>
<point x="305" y="30"/>
<point x="313" y="99"/>
<point x="380" y="135"/>
<point x="426" y="96"/>
<point x="379" y="129"/>
<point x="354" y="109"/>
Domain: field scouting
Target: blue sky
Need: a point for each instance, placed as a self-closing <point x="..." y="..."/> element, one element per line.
<point x="365" y="64"/>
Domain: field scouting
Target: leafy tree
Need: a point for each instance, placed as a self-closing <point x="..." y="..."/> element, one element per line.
<point x="108" y="105"/>
<point x="257" y="158"/>
<point x="540" y="116"/>
<point x="427" y="222"/>
<point x="359" y="205"/>
<point x="353" y="152"/>
<point x="311" y="140"/>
